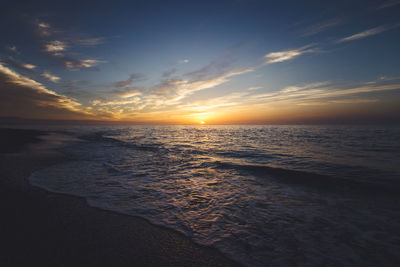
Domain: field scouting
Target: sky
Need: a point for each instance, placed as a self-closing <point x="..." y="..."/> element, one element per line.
<point x="187" y="62"/>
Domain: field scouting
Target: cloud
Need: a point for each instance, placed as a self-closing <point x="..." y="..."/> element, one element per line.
<point x="295" y="88"/>
<point x="323" y="92"/>
<point x="354" y="101"/>
<point x="55" y="46"/>
<point x="365" y="34"/>
<point x="177" y="89"/>
<point x="168" y="73"/>
<point x="389" y="3"/>
<point x="23" y="97"/>
<point x="322" y="26"/>
<point x="210" y="70"/>
<point x="315" y="103"/>
<point x="281" y="56"/>
<point x="384" y="78"/>
<point x="28" y="66"/>
<point x="16" y="64"/>
<point x="254" y="88"/>
<point x="166" y="94"/>
<point x="89" y="41"/>
<point x="44" y="28"/>
<point x="13" y="48"/>
<point x="227" y="100"/>
<point x="340" y="101"/>
<point x="51" y="77"/>
<point x="59" y="47"/>
<point x="43" y="25"/>
<point x="102" y="102"/>
<point x="128" y="92"/>
<point x="183" y="61"/>
<point x="74" y="64"/>
<point x="132" y="78"/>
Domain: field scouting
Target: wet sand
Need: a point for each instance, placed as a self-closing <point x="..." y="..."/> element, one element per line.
<point x="38" y="228"/>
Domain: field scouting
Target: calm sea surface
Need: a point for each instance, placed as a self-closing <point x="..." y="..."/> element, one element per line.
<point x="275" y="195"/>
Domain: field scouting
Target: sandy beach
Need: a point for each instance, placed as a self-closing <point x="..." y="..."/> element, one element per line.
<point x="39" y="228"/>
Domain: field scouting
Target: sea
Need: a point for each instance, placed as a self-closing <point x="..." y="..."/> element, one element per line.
<point x="286" y="195"/>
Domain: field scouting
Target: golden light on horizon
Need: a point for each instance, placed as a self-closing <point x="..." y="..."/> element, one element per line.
<point x="202" y="122"/>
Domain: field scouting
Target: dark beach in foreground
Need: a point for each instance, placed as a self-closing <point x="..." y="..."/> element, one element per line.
<point x="39" y="228"/>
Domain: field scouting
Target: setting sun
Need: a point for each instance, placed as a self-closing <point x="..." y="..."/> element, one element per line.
<point x="202" y="122"/>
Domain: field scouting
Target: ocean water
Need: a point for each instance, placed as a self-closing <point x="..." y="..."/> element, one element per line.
<point x="263" y="195"/>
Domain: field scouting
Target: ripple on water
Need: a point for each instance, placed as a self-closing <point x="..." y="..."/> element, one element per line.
<point x="213" y="197"/>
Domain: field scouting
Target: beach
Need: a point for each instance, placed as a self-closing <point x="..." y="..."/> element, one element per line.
<point x="39" y="228"/>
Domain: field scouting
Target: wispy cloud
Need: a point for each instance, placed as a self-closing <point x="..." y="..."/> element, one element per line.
<point x="55" y="46"/>
<point x="281" y="56"/>
<point x="127" y="92"/>
<point x="179" y="89"/>
<point x="389" y="3"/>
<point x="168" y="73"/>
<point x="168" y="93"/>
<point x="312" y="94"/>
<point x="385" y="78"/>
<point x="13" y="49"/>
<point x="254" y="88"/>
<point x="16" y="64"/>
<point x="22" y="96"/>
<point x="134" y="77"/>
<point x="322" y="92"/>
<point x="183" y="61"/>
<point x="366" y="33"/>
<point x="89" y="41"/>
<point x="51" y="77"/>
<point x="75" y="64"/>
<point x="29" y="66"/>
<point x="322" y="26"/>
<point x="354" y="101"/>
<point x="44" y="28"/>
<point x="100" y="102"/>
<point x="62" y="45"/>
<point x="227" y="100"/>
<point x="216" y="66"/>
<point x="296" y="88"/>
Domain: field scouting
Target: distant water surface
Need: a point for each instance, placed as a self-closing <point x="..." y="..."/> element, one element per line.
<point x="219" y="186"/>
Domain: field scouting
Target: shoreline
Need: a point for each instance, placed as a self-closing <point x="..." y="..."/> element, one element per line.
<point x="51" y="229"/>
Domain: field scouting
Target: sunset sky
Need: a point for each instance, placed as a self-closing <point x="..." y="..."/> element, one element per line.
<point x="218" y="62"/>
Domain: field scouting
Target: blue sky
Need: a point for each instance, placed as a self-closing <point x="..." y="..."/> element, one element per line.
<point x="189" y="61"/>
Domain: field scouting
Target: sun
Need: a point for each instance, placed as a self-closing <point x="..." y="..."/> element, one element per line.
<point x="202" y="122"/>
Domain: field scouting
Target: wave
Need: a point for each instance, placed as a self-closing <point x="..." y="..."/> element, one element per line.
<point x="226" y="159"/>
<point x="332" y="183"/>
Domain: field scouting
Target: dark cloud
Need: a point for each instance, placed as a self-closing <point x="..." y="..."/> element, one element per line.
<point x="44" y="29"/>
<point x="322" y="26"/>
<point x="10" y="61"/>
<point x="88" y="41"/>
<point x="168" y="73"/>
<point x="74" y="84"/>
<point x="23" y="97"/>
<point x="167" y="87"/>
<point x="74" y="64"/>
<point x="389" y="3"/>
<point x="77" y="89"/>
<point x="13" y="49"/>
<point x="213" y="68"/>
<point x="127" y="92"/>
<point x="59" y="45"/>
<point x="134" y="77"/>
